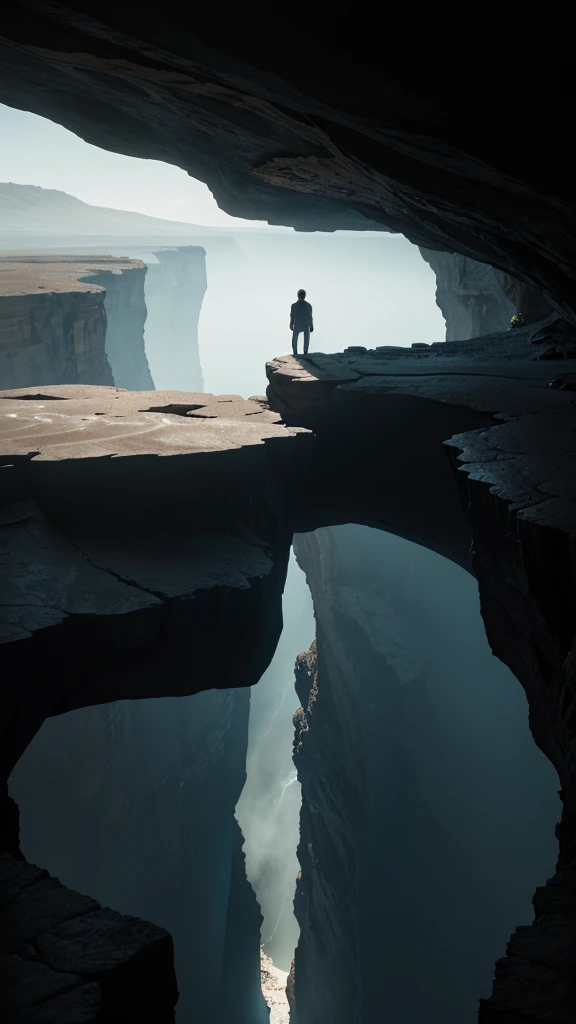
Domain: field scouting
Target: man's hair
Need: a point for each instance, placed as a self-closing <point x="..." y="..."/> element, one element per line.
<point x="301" y="293"/>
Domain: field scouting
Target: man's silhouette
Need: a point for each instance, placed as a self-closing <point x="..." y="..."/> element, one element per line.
<point x="301" y="321"/>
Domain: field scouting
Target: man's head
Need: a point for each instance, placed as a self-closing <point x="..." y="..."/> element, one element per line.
<point x="301" y="293"/>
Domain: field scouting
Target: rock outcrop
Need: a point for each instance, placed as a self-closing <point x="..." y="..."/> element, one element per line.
<point x="408" y="402"/>
<point x="175" y="287"/>
<point x="156" y="521"/>
<point x="361" y="141"/>
<point x="52" y="322"/>
<point x="173" y="538"/>
<point x="65" y="958"/>
<point x="470" y="295"/>
<point x="142" y="528"/>
<point x="418" y="848"/>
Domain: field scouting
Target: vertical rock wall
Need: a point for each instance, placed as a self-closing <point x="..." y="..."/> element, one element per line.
<point x="133" y="803"/>
<point x="126" y="315"/>
<point x="469" y="294"/>
<point x="53" y="338"/>
<point x="428" y="813"/>
<point x="175" y="288"/>
<point x="524" y="297"/>
<point x="68" y="319"/>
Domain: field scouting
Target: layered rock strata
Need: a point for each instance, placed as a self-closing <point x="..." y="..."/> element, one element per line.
<point x="67" y="319"/>
<point x="53" y="321"/>
<point x="418" y="847"/>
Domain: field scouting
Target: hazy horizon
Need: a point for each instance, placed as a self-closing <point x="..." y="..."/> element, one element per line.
<point x="37" y="151"/>
<point x="367" y="288"/>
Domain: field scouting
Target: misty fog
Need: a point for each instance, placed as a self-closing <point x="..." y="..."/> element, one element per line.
<point x="269" y="807"/>
<point x="365" y="289"/>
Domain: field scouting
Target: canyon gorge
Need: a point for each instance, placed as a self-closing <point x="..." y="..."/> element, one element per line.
<point x="147" y="527"/>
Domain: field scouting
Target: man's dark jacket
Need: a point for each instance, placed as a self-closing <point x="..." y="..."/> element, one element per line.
<point x="301" y="315"/>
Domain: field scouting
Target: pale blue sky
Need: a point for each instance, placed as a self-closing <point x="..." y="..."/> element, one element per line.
<point x="35" y="151"/>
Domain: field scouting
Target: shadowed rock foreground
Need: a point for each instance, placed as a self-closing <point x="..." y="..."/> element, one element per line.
<point x="141" y="529"/>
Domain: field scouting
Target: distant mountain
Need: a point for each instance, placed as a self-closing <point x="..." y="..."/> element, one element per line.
<point x="29" y="213"/>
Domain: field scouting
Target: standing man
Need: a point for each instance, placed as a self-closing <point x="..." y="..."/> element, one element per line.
<point x="301" y="321"/>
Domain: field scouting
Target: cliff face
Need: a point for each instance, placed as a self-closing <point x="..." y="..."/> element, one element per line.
<point x="470" y="296"/>
<point x="72" y="320"/>
<point x="418" y="846"/>
<point x="52" y="328"/>
<point x="519" y="516"/>
<point x="126" y="315"/>
<point x="523" y="557"/>
<point x="175" y="287"/>
<point x="133" y="802"/>
<point x="157" y="528"/>
<point x="174" y="540"/>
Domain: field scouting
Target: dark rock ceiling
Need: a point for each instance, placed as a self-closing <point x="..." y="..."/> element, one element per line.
<point x="453" y="131"/>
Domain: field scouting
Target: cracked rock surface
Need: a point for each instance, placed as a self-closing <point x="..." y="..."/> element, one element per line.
<point x="515" y="476"/>
<point x="138" y="539"/>
<point x="66" y="959"/>
<point x="157" y="523"/>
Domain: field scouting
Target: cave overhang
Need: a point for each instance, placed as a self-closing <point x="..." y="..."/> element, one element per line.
<point x="342" y="138"/>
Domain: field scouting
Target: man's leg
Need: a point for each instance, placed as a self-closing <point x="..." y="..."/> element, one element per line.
<point x="295" y="334"/>
<point x="306" y="340"/>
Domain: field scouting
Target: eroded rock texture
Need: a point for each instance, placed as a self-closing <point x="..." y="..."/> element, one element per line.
<point x="470" y="296"/>
<point x="523" y="522"/>
<point x="521" y="509"/>
<point x="65" y="958"/>
<point x="68" y="319"/>
<point x="53" y="321"/>
<point x="343" y="140"/>
<point x="149" y="525"/>
<point x="418" y="847"/>
<point x="175" y="537"/>
<point x="145" y="823"/>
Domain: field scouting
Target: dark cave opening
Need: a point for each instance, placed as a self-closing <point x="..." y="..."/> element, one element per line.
<point x="443" y="169"/>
